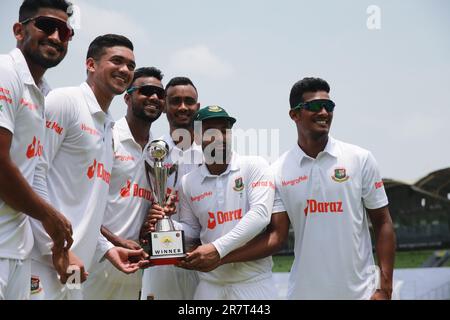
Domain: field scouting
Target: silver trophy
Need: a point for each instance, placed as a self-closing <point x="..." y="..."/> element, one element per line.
<point x="166" y="245"/>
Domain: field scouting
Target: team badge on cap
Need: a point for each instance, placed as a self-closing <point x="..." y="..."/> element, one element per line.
<point x="340" y="175"/>
<point x="215" y="109"/>
<point x="238" y="185"/>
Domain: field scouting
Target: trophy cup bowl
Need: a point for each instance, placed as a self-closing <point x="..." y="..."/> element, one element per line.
<point x="166" y="245"/>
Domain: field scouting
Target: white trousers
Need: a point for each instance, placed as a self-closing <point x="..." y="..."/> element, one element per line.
<point x="259" y="290"/>
<point x="105" y="282"/>
<point x="168" y="283"/>
<point x="15" y="277"/>
<point x="48" y="287"/>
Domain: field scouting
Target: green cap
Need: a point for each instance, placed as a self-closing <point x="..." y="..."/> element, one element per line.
<point x="212" y="112"/>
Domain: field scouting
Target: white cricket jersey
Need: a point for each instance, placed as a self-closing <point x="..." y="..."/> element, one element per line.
<point x="75" y="171"/>
<point x="129" y="193"/>
<point x="22" y="113"/>
<point x="325" y="199"/>
<point x="228" y="211"/>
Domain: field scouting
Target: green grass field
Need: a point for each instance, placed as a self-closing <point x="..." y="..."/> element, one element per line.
<point x="404" y="259"/>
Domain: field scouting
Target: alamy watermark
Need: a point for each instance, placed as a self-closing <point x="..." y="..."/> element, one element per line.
<point x="74" y="280"/>
<point x="253" y="142"/>
<point x="74" y="13"/>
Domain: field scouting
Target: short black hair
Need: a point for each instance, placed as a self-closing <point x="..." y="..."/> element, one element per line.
<point x="98" y="46"/>
<point x="180" y="81"/>
<point x="147" y="72"/>
<point x="29" y="8"/>
<point x="306" y="85"/>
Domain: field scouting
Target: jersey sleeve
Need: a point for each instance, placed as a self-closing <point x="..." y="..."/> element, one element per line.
<point x="278" y="205"/>
<point x="10" y="93"/>
<point x="103" y="246"/>
<point x="373" y="192"/>
<point x="260" y="194"/>
<point x="59" y="116"/>
<point x="188" y="220"/>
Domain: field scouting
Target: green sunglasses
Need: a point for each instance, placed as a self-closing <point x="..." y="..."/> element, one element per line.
<point x="316" y="105"/>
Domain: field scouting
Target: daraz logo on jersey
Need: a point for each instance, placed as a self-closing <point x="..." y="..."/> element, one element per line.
<point x="137" y="191"/>
<point x="316" y="207"/>
<point x="222" y="217"/>
<point x="97" y="169"/>
<point x="54" y="126"/>
<point x="35" y="149"/>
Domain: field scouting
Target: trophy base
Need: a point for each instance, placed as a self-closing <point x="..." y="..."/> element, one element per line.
<point x="166" y="247"/>
<point x="166" y="261"/>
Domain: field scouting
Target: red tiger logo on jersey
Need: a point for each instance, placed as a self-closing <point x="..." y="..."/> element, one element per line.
<point x="211" y="221"/>
<point x="91" y="170"/>
<point x="137" y="191"/>
<point x="35" y="149"/>
<point x="223" y="217"/>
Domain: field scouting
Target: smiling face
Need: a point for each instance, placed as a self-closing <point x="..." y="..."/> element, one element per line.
<point x="148" y="108"/>
<point x="40" y="49"/>
<point x="181" y="105"/>
<point x="313" y="124"/>
<point x="113" y="71"/>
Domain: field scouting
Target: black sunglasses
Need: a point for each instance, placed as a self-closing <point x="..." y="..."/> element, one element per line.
<point x="316" y="105"/>
<point x="49" y="25"/>
<point x="148" y="90"/>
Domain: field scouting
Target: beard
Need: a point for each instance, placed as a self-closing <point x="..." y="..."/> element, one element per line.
<point x="141" y="114"/>
<point x="37" y="58"/>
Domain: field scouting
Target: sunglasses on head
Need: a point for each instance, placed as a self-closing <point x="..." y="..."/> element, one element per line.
<point x="148" y="90"/>
<point x="317" y="105"/>
<point x="49" y="25"/>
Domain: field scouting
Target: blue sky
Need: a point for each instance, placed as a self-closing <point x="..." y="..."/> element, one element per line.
<point x="390" y="85"/>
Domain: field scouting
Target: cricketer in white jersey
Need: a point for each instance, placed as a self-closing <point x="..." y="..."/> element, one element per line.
<point x="169" y="282"/>
<point x="21" y="113"/>
<point x="325" y="199"/>
<point x="128" y="202"/>
<point x="74" y="176"/>
<point x="330" y="189"/>
<point x="226" y="208"/>
<point x="76" y="169"/>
